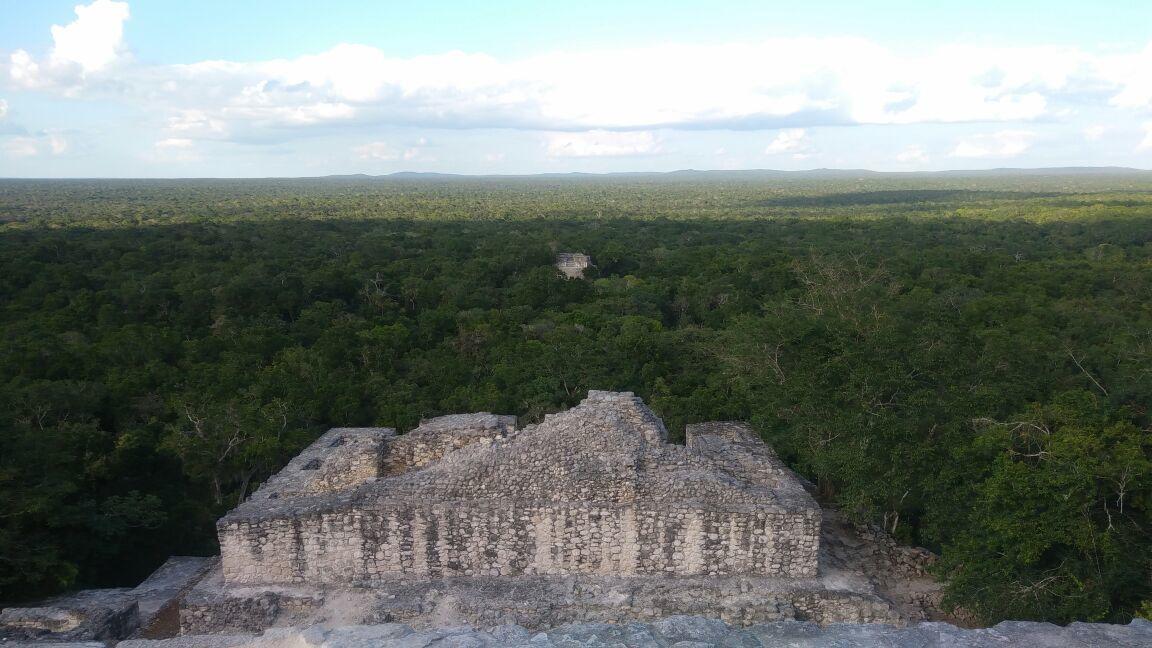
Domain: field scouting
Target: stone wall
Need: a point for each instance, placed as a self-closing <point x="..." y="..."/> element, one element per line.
<point x="435" y="541"/>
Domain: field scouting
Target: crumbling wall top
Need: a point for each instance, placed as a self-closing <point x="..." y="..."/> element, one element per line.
<point x="457" y="423"/>
<point x="339" y="460"/>
<point x="439" y="436"/>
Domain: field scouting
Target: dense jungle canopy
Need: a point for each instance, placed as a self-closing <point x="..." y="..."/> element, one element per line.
<point x="965" y="359"/>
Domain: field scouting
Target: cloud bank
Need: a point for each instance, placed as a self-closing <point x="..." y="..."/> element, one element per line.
<point x="776" y="83"/>
<point x="602" y="143"/>
<point x="585" y="107"/>
<point x="1001" y="144"/>
<point x="794" y="141"/>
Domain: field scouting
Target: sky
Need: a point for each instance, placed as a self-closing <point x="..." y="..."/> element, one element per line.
<point x="259" y="88"/>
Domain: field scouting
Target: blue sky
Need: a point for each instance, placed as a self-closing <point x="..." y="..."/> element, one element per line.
<point x="147" y="88"/>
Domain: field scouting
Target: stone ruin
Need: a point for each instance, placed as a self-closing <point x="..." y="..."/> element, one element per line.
<point x="588" y="529"/>
<point x="589" y="516"/>
<point x="573" y="264"/>
<point x="594" y="490"/>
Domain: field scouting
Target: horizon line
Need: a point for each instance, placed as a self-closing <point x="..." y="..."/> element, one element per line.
<point x="1069" y="170"/>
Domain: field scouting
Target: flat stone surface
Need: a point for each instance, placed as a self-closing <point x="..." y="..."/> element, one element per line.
<point x="679" y="632"/>
<point x="167" y="583"/>
<point x="53" y="643"/>
<point x="106" y="614"/>
<point x="195" y="641"/>
<point x="80" y="616"/>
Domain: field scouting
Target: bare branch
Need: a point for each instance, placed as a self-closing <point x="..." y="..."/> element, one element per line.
<point x="1090" y="376"/>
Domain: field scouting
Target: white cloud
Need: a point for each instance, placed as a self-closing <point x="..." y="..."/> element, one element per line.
<point x="173" y="150"/>
<point x="91" y="43"/>
<point x="912" y="154"/>
<point x="602" y="143"/>
<point x="44" y="143"/>
<point x="1001" y="144"/>
<point x="792" y="141"/>
<point x="95" y="39"/>
<point x="18" y="147"/>
<point x="1130" y="73"/>
<point x="23" y="70"/>
<point x="1146" y="145"/>
<point x="57" y="143"/>
<point x="175" y="143"/>
<point x="3" y="109"/>
<point x="494" y="157"/>
<point x="1094" y="132"/>
<point x="196" y="123"/>
<point x="384" y="151"/>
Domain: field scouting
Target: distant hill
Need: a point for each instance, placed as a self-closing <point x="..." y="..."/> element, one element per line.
<point x="753" y="174"/>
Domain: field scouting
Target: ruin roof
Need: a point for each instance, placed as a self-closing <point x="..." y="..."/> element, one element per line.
<point x="611" y="449"/>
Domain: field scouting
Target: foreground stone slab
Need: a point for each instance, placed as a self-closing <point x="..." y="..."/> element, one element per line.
<point x="54" y="643"/>
<point x="534" y="602"/>
<point x="687" y="632"/>
<point x="151" y="608"/>
<point x="81" y="616"/>
<point x="158" y="597"/>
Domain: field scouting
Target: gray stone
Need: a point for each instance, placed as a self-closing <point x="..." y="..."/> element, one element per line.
<point x="193" y="641"/>
<point x="690" y="632"/>
<point x="509" y="633"/>
<point x="80" y="616"/>
<point x="676" y="628"/>
<point x="368" y="635"/>
<point x="53" y="644"/>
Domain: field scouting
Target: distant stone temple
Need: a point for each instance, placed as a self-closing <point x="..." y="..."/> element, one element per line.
<point x="594" y="490"/>
<point x="573" y="264"/>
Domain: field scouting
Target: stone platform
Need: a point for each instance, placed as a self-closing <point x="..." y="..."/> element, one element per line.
<point x="687" y="632"/>
<point x="588" y="517"/>
<point x="591" y="515"/>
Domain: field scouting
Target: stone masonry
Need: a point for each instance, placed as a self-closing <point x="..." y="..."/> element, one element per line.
<point x="573" y="264"/>
<point x="593" y="490"/>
